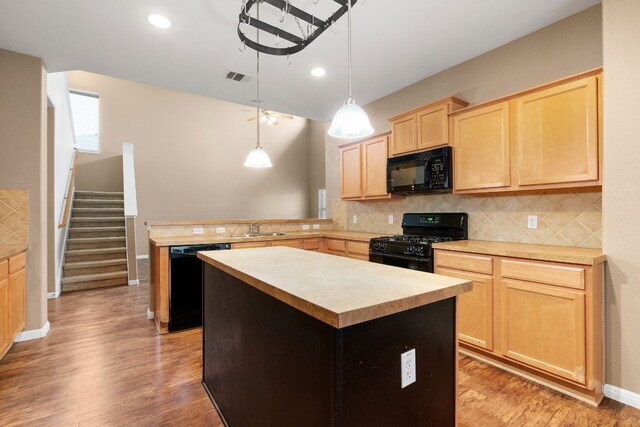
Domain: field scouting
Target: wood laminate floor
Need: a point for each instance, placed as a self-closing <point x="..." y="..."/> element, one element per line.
<point x="104" y="364"/>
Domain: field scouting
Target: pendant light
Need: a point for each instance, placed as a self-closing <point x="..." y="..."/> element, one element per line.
<point x="350" y="121"/>
<point x="258" y="158"/>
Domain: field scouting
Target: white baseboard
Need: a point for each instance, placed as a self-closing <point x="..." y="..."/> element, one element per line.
<point x="142" y="256"/>
<point x="621" y="395"/>
<point x="134" y="282"/>
<point x="33" y="334"/>
<point x="53" y="295"/>
<point x="150" y="314"/>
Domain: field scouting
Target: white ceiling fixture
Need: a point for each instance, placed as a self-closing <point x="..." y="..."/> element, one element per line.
<point x="318" y="72"/>
<point x="159" y="21"/>
<point x="196" y="60"/>
<point x="258" y="158"/>
<point x="350" y="121"/>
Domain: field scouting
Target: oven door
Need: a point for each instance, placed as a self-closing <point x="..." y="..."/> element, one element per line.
<point x="403" y="261"/>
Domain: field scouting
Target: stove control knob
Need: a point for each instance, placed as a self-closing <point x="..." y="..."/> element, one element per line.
<point x="420" y="250"/>
<point x="410" y="249"/>
<point x="383" y="246"/>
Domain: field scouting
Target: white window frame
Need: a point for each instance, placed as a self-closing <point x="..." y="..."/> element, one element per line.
<point x="92" y="95"/>
<point x="322" y="203"/>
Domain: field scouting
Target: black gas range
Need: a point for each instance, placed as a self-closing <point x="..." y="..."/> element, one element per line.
<point x="413" y="249"/>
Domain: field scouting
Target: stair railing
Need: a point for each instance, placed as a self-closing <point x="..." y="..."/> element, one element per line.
<point x="68" y="195"/>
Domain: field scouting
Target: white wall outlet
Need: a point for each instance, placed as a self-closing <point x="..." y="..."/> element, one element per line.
<point x="354" y="219"/>
<point x="532" y="221"/>
<point x="408" y="367"/>
<point x="305" y="226"/>
<point x="391" y="219"/>
<point x="220" y="230"/>
<point x="198" y="230"/>
<point x="316" y="226"/>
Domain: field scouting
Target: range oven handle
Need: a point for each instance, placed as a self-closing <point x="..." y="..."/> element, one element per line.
<point x="402" y="257"/>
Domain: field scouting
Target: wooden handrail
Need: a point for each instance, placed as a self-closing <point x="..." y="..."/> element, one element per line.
<point x="69" y="196"/>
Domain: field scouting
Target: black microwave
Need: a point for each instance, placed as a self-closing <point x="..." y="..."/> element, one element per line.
<point x="424" y="172"/>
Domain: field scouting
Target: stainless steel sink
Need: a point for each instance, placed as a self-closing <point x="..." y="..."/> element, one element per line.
<point x="257" y="234"/>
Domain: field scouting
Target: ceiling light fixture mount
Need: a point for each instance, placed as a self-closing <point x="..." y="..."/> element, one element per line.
<point x="314" y="25"/>
<point x="159" y="21"/>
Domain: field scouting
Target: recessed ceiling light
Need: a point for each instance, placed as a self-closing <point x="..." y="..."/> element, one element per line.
<point x="159" y="21"/>
<point x="318" y="72"/>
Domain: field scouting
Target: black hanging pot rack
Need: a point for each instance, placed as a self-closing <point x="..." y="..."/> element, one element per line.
<point x="317" y="26"/>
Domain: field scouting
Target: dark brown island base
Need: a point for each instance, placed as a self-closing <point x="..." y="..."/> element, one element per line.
<point x="297" y="338"/>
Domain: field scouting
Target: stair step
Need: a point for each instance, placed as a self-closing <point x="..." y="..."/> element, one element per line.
<point x="96" y="232"/>
<point x="84" y="268"/>
<point x="97" y="203"/>
<point x="97" y="212"/>
<point x="93" y="195"/>
<point x="80" y="255"/>
<point x="93" y="281"/>
<point x="95" y="242"/>
<point x="97" y="222"/>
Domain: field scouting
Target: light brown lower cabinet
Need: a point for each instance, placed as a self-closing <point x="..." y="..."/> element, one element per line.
<point x="347" y="248"/>
<point x="542" y="320"/>
<point x="12" y="299"/>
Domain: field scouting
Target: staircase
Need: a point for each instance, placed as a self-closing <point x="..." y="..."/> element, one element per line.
<point x="96" y="254"/>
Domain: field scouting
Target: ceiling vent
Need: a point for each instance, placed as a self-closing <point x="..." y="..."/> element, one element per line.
<point x="238" y="77"/>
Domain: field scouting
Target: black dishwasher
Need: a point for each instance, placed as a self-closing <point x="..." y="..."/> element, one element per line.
<point x="185" y="291"/>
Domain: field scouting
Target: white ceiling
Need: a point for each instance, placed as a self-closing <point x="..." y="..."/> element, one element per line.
<point x="395" y="43"/>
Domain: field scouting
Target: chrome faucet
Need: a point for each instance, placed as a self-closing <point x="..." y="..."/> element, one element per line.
<point x="254" y="228"/>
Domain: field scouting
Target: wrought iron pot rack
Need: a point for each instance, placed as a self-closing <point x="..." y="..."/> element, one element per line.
<point x="317" y="25"/>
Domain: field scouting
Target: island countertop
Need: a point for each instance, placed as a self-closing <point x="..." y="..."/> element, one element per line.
<point x="335" y="290"/>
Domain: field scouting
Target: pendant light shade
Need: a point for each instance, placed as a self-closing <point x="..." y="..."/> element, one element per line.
<point x="350" y="121"/>
<point x="258" y="158"/>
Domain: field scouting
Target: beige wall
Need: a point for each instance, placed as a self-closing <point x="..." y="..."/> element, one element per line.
<point x="621" y="194"/>
<point x="316" y="164"/>
<point x="23" y="163"/>
<point x="566" y="47"/>
<point x="189" y="152"/>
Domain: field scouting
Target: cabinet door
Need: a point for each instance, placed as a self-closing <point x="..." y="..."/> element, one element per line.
<point x="297" y="244"/>
<point x="558" y="134"/>
<point x="482" y="155"/>
<point x="544" y="327"/>
<point x="17" y="285"/>
<point x="374" y="159"/>
<point x="351" y="184"/>
<point x="403" y="135"/>
<point x="358" y="250"/>
<point x="433" y="126"/>
<point x="335" y="247"/>
<point x="475" y="309"/>
<point x="5" y="334"/>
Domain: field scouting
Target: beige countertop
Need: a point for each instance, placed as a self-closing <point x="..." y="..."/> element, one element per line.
<point x="338" y="291"/>
<point x="7" y="251"/>
<point x="196" y="240"/>
<point x="566" y="254"/>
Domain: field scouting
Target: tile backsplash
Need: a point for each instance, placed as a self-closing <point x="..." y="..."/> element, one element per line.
<point x="572" y="219"/>
<point x="232" y="228"/>
<point x="14" y="217"/>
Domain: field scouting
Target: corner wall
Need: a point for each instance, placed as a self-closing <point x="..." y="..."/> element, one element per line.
<point x="23" y="163"/>
<point x="621" y="194"/>
<point x="189" y="152"/>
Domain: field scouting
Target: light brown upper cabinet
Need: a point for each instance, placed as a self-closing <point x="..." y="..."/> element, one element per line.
<point x="364" y="169"/>
<point x="423" y="128"/>
<point x="548" y="137"/>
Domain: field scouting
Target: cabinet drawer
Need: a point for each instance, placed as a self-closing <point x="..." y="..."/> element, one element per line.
<point x="358" y="248"/>
<point x="4" y="269"/>
<point x="311" y="244"/>
<point x="245" y="245"/>
<point x="458" y="261"/>
<point x="334" y="245"/>
<point x="297" y="244"/>
<point x="17" y="262"/>
<point x="551" y="274"/>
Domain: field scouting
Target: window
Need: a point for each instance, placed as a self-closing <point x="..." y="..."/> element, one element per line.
<point x="85" y="110"/>
<point x="322" y="203"/>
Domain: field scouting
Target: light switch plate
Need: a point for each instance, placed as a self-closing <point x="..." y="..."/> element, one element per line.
<point x="316" y="226"/>
<point x="408" y="367"/>
<point x="198" y="230"/>
<point x="305" y="226"/>
<point x="532" y="221"/>
<point x="220" y="230"/>
<point x="391" y="219"/>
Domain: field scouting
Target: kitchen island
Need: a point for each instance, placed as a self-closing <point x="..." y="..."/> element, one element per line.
<point x="292" y="337"/>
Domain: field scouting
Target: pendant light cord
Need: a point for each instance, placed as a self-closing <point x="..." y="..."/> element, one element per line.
<point x="258" y="81"/>
<point x="349" y="47"/>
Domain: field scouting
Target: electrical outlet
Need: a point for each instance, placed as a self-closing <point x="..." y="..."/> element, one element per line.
<point x="408" y="367"/>
<point x="220" y="230"/>
<point x="305" y="226"/>
<point x="316" y="226"/>
<point x="198" y="230"/>
<point x="532" y="221"/>
<point x="391" y="219"/>
<point x="354" y="219"/>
